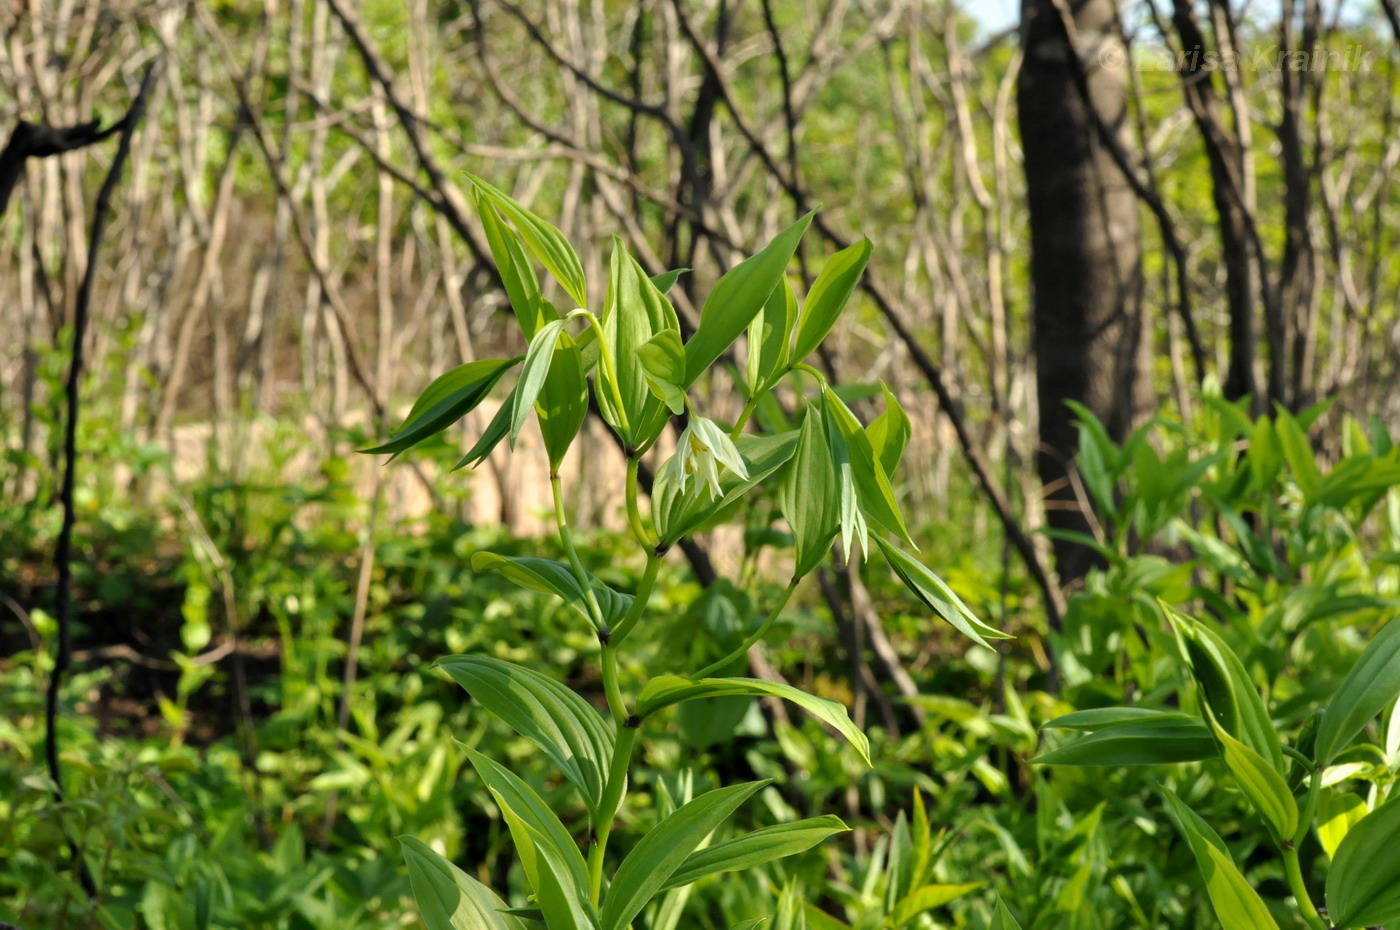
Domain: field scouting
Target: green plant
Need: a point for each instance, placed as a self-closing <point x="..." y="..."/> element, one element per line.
<point x="1268" y="684"/>
<point x="832" y="479"/>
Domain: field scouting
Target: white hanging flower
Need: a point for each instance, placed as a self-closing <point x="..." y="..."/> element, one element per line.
<point x="703" y="448"/>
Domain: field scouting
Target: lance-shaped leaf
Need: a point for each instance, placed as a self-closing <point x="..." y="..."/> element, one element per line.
<point x="873" y="490"/>
<point x="634" y="312"/>
<point x="1227" y="687"/>
<point x="1235" y="901"/>
<point x="522" y="288"/>
<point x="737" y="297"/>
<point x="542" y="238"/>
<point x="442" y="403"/>
<point x="511" y="792"/>
<point x="936" y="595"/>
<point x="563" y="401"/>
<point x="889" y="433"/>
<point x="926" y="898"/>
<point x="756" y="848"/>
<point x="550" y="577"/>
<point x="539" y="358"/>
<point x="563" y="903"/>
<point x="657" y="856"/>
<point x="667" y="279"/>
<point x="1103" y="718"/>
<point x="770" y="339"/>
<point x="810" y="495"/>
<point x="1152" y="741"/>
<point x="565" y="726"/>
<point x="665" y="690"/>
<point x="828" y="296"/>
<point x="491" y="437"/>
<point x="1002" y="918"/>
<point x="1371" y="686"/>
<point x="679" y="511"/>
<point x="1363" y="885"/>
<point x="1260" y="782"/>
<point x="448" y="898"/>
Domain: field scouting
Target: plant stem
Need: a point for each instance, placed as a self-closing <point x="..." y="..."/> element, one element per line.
<point x="757" y="634"/>
<point x="744" y="415"/>
<point x="1294" y="873"/>
<point x="610" y="685"/>
<point x="568" y="540"/>
<point x="634" y="511"/>
<point x="613" y="793"/>
<point x="639" y="600"/>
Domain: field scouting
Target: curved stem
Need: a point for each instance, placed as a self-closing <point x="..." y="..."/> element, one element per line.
<point x="613" y="793"/>
<point x="1294" y="874"/>
<point x="567" y="539"/>
<point x="757" y="634"/>
<point x="634" y="511"/>
<point x="1309" y="810"/>
<point x="808" y="369"/>
<point x="749" y="407"/>
<point x="639" y="600"/>
<point x="610" y="685"/>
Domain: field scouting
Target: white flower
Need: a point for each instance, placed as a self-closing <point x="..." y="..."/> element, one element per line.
<point x="703" y="448"/>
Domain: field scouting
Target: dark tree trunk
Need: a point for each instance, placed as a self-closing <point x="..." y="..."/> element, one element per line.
<point x="1089" y="335"/>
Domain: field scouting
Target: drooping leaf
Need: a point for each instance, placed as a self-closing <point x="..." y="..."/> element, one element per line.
<point x="665" y="690"/>
<point x="889" y="433"/>
<point x="1260" y="782"/>
<point x="657" y="855"/>
<point x="1363" y="885"/>
<point x="550" y="577"/>
<point x="737" y="297"/>
<point x="448" y="898"/>
<point x="510" y="791"/>
<point x="565" y="726"/>
<point x="755" y="848"/>
<point x="442" y="403"/>
<point x="828" y="297"/>
<point x="1235" y="901"/>
<point x="1372" y="685"/>
<point x="542" y="238"/>
<point x="809" y="496"/>
<point x="936" y="595"/>
<point x="1153" y="741"/>
<point x="1227" y="687"/>
<point x="491" y="437"/>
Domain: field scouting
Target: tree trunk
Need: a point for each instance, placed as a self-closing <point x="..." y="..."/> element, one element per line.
<point x="1089" y="335"/>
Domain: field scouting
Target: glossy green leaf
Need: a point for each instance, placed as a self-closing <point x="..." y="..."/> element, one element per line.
<point x="563" y="401"/>
<point x="448" y="898"/>
<point x="873" y="491"/>
<point x="1155" y="741"/>
<point x="511" y="792"/>
<point x="1261" y="783"/>
<point x="770" y="339"/>
<point x="1103" y="718"/>
<point x="634" y="312"/>
<point x="550" y="577"/>
<point x="756" y="848"/>
<point x="1370" y="687"/>
<point x="662" y="851"/>
<point x="828" y="297"/>
<point x="809" y="495"/>
<point x="491" y="437"/>
<point x="1363" y="885"/>
<point x="889" y="433"/>
<point x="445" y="401"/>
<point x="1337" y="813"/>
<point x="936" y="595"/>
<point x="539" y="358"/>
<point x="543" y="239"/>
<point x="565" y="726"/>
<point x="679" y="512"/>
<point x="737" y="297"/>
<point x="522" y="288"/>
<point x="667" y="279"/>
<point x="665" y="690"/>
<point x="663" y="363"/>
<point x="1227" y="687"/>
<point x="562" y="901"/>
<point x="1235" y="901"/>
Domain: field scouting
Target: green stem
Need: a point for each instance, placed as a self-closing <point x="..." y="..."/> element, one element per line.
<point x="612" y="801"/>
<point x="610" y="685"/>
<point x="757" y="634"/>
<point x="634" y="510"/>
<point x="749" y="407"/>
<point x="567" y="539"/>
<point x="1309" y="810"/>
<point x="802" y="366"/>
<point x="1296" y="885"/>
<point x="639" y="600"/>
